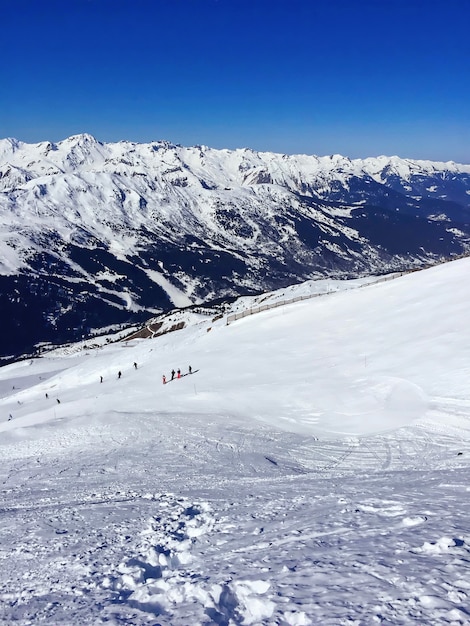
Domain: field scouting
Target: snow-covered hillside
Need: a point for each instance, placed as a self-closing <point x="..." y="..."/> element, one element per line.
<point x="93" y="234"/>
<point x="313" y="469"/>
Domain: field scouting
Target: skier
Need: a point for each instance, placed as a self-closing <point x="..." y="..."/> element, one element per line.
<point x="179" y="373"/>
<point x="135" y="365"/>
<point x="101" y="379"/>
<point x="172" y="374"/>
<point x="58" y="401"/>
<point x="47" y="395"/>
<point x="164" y="379"/>
<point x="119" y="374"/>
<point x="190" y="369"/>
<point x="10" y="417"/>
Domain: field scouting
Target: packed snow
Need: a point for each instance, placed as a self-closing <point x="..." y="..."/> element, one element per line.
<point x="312" y="469"/>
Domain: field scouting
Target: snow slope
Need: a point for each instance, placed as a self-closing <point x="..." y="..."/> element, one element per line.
<point x="312" y="470"/>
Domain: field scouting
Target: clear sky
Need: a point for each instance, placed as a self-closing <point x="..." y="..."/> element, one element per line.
<point x="354" y="77"/>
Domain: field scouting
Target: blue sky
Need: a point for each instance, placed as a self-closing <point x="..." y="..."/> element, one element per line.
<point x="358" y="77"/>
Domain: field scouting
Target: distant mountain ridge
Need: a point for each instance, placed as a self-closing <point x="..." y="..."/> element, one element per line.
<point x="96" y="233"/>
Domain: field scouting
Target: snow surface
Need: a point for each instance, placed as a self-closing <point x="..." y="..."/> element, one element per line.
<point x="312" y="470"/>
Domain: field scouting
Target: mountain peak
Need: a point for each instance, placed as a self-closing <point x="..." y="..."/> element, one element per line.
<point x="8" y="146"/>
<point x="83" y="139"/>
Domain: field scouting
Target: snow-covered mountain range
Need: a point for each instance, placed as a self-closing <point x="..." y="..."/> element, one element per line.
<point x="93" y="234"/>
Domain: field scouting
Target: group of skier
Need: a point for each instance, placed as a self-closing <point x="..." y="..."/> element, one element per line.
<point x="177" y="374"/>
<point x="174" y="375"/>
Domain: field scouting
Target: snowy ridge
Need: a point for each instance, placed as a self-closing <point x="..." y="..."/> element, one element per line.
<point x="85" y="153"/>
<point x="297" y="293"/>
<point x="313" y="469"/>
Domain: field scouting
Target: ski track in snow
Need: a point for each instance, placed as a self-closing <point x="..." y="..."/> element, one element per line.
<point x="137" y="503"/>
<point x="294" y="539"/>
